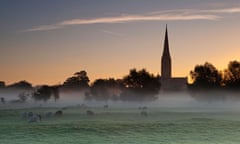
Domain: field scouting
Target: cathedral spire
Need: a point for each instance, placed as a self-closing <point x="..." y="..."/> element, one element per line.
<point x="166" y="67"/>
<point x="166" y="45"/>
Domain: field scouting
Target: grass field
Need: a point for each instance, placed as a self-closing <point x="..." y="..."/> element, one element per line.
<point x="121" y="126"/>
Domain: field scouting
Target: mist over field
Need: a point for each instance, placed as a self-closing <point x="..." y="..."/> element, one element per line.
<point x="164" y="100"/>
<point x="171" y="118"/>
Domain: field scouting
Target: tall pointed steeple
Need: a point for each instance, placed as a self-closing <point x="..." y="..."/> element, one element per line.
<point x="166" y="67"/>
<point x="166" y="44"/>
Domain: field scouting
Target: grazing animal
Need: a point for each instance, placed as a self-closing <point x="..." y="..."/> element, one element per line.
<point x="58" y="113"/>
<point x="90" y="113"/>
<point x="2" y="100"/>
<point x="144" y="113"/>
<point x="34" y="118"/>
<point x="39" y="117"/>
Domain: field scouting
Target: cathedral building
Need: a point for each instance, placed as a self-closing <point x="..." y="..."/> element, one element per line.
<point x="169" y="83"/>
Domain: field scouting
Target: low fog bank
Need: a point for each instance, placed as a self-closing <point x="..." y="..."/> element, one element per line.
<point x="215" y="101"/>
<point x="176" y="101"/>
<point x="185" y="101"/>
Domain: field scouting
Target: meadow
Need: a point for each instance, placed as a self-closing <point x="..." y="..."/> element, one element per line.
<point x="122" y="126"/>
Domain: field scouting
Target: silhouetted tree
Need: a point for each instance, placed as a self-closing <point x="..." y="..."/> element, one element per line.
<point x="78" y="81"/>
<point x="45" y="92"/>
<point x="140" y="85"/>
<point x="104" y="89"/>
<point x="42" y="93"/>
<point x="2" y="84"/>
<point x="23" y="96"/>
<point x="207" y="83"/>
<point x="55" y="92"/>
<point x="2" y="100"/>
<point x="232" y="75"/>
<point x="88" y="96"/>
<point x="206" y="76"/>
<point x="21" y="85"/>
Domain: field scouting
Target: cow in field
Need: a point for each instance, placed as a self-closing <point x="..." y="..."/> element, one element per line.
<point x="58" y="113"/>
<point x="106" y="106"/>
<point x="35" y="118"/>
<point x="31" y="117"/>
<point x="89" y="112"/>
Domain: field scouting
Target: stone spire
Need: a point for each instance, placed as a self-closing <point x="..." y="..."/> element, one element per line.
<point x="166" y="67"/>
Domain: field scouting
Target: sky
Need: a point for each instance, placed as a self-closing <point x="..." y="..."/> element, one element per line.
<point x="45" y="42"/>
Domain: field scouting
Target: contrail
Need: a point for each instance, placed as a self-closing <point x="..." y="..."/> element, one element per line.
<point x="169" y="15"/>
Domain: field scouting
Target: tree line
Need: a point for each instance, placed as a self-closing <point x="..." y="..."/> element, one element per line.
<point x="207" y="76"/>
<point x="210" y="83"/>
<point x="138" y="85"/>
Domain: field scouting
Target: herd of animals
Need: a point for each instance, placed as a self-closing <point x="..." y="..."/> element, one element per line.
<point x="37" y="117"/>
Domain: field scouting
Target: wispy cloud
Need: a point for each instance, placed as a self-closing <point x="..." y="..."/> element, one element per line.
<point x="200" y="12"/>
<point x="229" y="10"/>
<point x="111" y="33"/>
<point x="122" y="19"/>
<point x="44" y="28"/>
<point x="170" y="15"/>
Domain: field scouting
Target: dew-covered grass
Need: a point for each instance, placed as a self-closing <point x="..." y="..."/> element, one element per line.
<point x="122" y="126"/>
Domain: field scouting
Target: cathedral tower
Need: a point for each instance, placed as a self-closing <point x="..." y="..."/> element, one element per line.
<point x="166" y="66"/>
